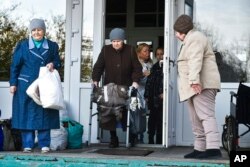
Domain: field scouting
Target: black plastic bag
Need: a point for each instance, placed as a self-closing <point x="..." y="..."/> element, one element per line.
<point x="137" y="121"/>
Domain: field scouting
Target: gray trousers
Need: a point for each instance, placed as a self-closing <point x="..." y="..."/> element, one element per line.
<point x="202" y="115"/>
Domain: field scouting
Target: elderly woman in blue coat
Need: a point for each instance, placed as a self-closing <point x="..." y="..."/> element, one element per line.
<point x="29" y="55"/>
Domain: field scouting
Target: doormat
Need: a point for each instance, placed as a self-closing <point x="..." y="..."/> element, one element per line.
<point x="127" y="152"/>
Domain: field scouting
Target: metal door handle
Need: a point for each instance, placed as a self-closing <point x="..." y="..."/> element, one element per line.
<point x="74" y="59"/>
<point x="171" y="62"/>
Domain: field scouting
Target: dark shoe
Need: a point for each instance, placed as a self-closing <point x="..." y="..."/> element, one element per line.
<point x="132" y="140"/>
<point x="114" y="142"/>
<point x="151" y="139"/>
<point x="210" y="154"/>
<point x="194" y="154"/>
<point x="159" y="139"/>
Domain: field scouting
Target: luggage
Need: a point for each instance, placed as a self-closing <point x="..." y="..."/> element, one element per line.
<point x="10" y="139"/>
<point x="110" y="95"/>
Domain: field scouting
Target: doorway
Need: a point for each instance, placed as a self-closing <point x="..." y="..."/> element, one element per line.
<point x="131" y="16"/>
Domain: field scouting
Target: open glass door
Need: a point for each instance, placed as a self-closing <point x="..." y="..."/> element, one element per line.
<point x="170" y="89"/>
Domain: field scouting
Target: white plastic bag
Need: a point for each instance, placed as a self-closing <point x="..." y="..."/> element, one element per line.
<point x="33" y="92"/>
<point x="50" y="89"/>
<point x="59" y="138"/>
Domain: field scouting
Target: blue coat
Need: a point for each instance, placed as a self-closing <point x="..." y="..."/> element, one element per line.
<point x="26" y="63"/>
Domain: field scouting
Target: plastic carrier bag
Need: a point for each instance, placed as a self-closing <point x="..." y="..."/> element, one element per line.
<point x="33" y="92"/>
<point x="137" y="121"/>
<point x="59" y="138"/>
<point x="50" y="89"/>
<point x="46" y="90"/>
<point x="75" y="132"/>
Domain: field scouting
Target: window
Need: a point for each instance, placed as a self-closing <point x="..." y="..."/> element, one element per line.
<point x="116" y="13"/>
<point x="228" y="32"/>
<point x="149" y="13"/>
<point x="189" y="7"/>
<point x="87" y="41"/>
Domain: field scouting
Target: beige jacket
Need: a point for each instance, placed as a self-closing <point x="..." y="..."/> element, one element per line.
<point x="196" y="64"/>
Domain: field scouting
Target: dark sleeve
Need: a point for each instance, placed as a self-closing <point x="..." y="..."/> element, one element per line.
<point x="99" y="66"/>
<point x="147" y="86"/>
<point x="137" y="67"/>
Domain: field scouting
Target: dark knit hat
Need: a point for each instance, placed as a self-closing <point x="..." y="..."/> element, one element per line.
<point x="37" y="23"/>
<point x="183" y="24"/>
<point x="117" y="34"/>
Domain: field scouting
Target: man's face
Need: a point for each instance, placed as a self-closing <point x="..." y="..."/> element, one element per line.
<point x="117" y="44"/>
<point x="180" y="36"/>
<point x="37" y="34"/>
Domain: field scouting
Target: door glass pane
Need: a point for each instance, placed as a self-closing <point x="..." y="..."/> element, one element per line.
<point x="148" y="13"/>
<point x="145" y="20"/>
<point x="142" y="6"/>
<point x="14" y="22"/>
<point x="227" y="25"/>
<point x="116" y="6"/>
<point x="87" y="41"/>
<point x="116" y="21"/>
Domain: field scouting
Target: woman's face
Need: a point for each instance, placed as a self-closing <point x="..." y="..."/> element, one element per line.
<point x="180" y="36"/>
<point x="159" y="54"/>
<point x="144" y="54"/>
<point x="37" y="34"/>
<point x="117" y="44"/>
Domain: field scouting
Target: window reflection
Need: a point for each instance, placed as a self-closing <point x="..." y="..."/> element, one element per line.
<point x="87" y="41"/>
<point x="229" y="34"/>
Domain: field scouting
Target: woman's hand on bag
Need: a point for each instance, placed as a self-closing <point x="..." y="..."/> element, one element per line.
<point x="135" y="85"/>
<point x="50" y="66"/>
<point x="12" y="89"/>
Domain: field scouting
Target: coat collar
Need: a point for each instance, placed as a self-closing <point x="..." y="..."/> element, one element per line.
<point x="44" y="45"/>
<point x="187" y="36"/>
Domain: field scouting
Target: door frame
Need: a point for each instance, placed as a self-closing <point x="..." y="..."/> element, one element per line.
<point x="170" y="78"/>
<point x="73" y="58"/>
<point x="99" y="37"/>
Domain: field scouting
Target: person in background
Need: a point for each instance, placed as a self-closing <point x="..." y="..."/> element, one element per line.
<point x="29" y="55"/>
<point x="143" y="53"/>
<point x="154" y="97"/>
<point x="119" y="63"/>
<point x="198" y="84"/>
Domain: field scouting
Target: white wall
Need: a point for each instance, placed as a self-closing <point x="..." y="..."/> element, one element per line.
<point x="184" y="136"/>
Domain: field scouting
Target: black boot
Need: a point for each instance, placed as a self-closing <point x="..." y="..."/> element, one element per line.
<point x="193" y="154"/>
<point x="114" y="142"/>
<point x="158" y="138"/>
<point x="150" y="139"/>
<point x="210" y="154"/>
<point x="132" y="139"/>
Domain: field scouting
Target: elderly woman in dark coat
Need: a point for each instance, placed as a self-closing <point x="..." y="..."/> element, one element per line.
<point x="29" y="55"/>
<point x="121" y="66"/>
